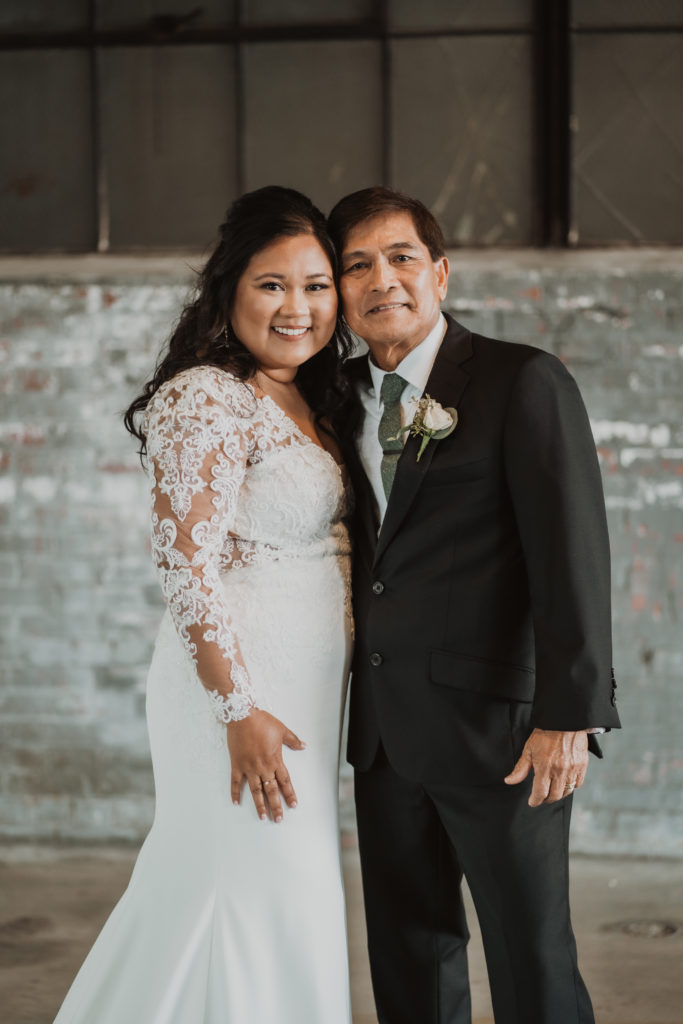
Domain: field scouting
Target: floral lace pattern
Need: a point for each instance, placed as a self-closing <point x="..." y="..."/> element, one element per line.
<point x="235" y="484"/>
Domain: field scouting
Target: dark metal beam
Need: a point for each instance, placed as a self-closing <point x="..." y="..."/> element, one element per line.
<point x="149" y="36"/>
<point x="240" y="110"/>
<point x="628" y="30"/>
<point x="100" y="184"/>
<point x="386" y="92"/>
<point x="552" y="101"/>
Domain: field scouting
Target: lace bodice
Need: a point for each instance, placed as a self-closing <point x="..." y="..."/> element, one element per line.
<point x="235" y="483"/>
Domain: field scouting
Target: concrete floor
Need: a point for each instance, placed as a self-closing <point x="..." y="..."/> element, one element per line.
<point x="53" y="901"/>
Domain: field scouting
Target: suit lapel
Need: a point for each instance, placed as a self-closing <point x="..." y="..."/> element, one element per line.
<point x="446" y="383"/>
<point x="365" y="517"/>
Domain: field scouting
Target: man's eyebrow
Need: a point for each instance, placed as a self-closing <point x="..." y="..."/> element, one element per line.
<point x="363" y="252"/>
<point x="282" y="277"/>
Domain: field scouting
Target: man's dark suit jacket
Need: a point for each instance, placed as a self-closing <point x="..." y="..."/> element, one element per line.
<point x="483" y="608"/>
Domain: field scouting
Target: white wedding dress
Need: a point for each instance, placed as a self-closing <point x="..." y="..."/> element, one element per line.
<point x="228" y="919"/>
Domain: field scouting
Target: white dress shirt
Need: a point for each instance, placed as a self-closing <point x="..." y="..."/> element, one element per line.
<point x="415" y="368"/>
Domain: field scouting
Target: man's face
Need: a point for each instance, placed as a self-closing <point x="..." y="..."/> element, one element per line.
<point x="390" y="287"/>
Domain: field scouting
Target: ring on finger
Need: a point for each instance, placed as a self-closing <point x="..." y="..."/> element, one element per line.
<point x="268" y="782"/>
<point x="570" y="787"/>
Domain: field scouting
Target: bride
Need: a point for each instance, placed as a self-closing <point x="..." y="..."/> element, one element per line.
<point x="235" y="913"/>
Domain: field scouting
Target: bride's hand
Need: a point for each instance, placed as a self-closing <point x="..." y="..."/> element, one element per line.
<point x="255" y="745"/>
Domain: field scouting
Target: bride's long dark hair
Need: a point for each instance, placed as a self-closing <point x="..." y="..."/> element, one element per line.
<point x="204" y="336"/>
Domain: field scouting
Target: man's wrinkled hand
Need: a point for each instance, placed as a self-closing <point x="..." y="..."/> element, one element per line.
<point x="559" y="762"/>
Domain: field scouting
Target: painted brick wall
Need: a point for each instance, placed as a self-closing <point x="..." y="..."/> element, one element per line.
<point x="79" y="600"/>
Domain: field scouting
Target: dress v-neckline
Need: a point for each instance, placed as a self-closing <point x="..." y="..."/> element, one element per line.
<point x="296" y="429"/>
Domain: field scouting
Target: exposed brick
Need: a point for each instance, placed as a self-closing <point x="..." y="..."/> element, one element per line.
<point x="80" y="601"/>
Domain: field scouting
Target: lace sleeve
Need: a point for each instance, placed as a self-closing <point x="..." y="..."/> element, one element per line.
<point x="199" y="434"/>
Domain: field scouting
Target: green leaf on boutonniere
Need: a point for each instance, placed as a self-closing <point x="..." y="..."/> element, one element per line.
<point x="426" y="438"/>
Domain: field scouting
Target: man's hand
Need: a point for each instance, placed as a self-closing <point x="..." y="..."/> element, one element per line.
<point x="559" y="761"/>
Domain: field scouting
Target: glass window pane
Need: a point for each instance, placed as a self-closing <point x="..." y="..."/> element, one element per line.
<point x="628" y="139"/>
<point x="314" y="117"/>
<point x="627" y="12"/>
<point x="169" y="140"/>
<point x="462" y="112"/>
<point x="140" y="13"/>
<point x="447" y="14"/>
<point x="46" y="168"/>
<point x="296" y="12"/>
<point x="42" y="15"/>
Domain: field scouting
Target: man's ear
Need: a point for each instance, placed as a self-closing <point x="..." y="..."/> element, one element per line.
<point x="441" y="267"/>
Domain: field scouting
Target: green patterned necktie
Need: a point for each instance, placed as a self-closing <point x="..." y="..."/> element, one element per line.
<point x="389" y="428"/>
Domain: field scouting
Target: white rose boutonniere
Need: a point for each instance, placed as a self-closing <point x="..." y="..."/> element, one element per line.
<point x="430" y="420"/>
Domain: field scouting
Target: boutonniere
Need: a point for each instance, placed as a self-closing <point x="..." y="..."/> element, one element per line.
<point x="430" y="420"/>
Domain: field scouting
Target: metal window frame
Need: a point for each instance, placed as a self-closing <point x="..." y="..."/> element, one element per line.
<point x="551" y="33"/>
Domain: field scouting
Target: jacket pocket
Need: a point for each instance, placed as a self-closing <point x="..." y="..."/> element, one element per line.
<point x="443" y="473"/>
<point x="481" y="675"/>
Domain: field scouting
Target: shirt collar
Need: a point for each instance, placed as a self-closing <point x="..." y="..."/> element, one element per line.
<point x="416" y="366"/>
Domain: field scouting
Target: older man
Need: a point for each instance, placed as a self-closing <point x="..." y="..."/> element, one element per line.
<point x="482" y="602"/>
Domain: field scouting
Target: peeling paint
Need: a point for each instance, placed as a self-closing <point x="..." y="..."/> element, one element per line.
<point x="40" y="488"/>
<point x="664" y="492"/>
<point x="658" y="434"/>
<point x="627" y="456"/>
<point x="8" y="490"/>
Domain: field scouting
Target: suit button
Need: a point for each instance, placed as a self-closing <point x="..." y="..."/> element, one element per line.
<point x="376" y="659"/>
<point x="377" y="587"/>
